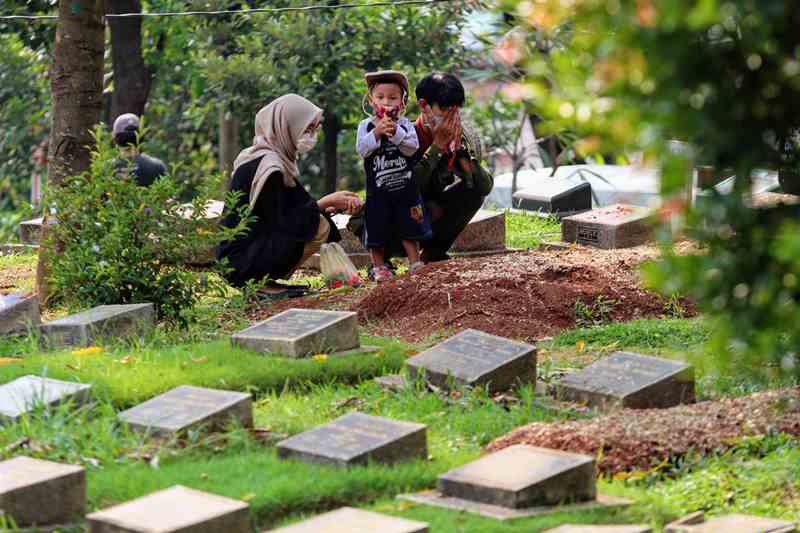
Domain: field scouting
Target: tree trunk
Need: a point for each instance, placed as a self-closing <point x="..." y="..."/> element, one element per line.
<point x="131" y="76"/>
<point x="76" y="85"/>
<point x="229" y="141"/>
<point x="330" y="128"/>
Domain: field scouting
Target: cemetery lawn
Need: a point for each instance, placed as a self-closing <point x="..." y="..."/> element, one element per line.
<point x="525" y="230"/>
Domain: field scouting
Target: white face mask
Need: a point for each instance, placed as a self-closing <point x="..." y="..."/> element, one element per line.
<point x="306" y="142"/>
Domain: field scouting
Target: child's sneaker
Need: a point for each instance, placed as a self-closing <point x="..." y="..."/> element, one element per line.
<point x="415" y="266"/>
<point x="382" y="274"/>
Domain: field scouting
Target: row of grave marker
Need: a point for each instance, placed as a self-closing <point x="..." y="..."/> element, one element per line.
<point x="517" y="481"/>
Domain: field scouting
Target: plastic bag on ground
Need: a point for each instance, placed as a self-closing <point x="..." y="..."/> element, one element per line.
<point x="336" y="267"/>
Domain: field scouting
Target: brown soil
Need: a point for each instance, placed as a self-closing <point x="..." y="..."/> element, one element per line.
<point x="526" y="296"/>
<point x="631" y="439"/>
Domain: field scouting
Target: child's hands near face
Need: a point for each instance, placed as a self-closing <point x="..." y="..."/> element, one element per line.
<point x="385" y="126"/>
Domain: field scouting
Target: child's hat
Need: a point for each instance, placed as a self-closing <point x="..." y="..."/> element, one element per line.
<point x="392" y="76"/>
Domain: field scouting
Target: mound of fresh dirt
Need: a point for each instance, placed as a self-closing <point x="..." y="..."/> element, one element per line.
<point x="631" y="439"/>
<point x="524" y="296"/>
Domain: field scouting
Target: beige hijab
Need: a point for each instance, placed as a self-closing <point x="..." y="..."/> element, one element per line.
<point x="278" y="126"/>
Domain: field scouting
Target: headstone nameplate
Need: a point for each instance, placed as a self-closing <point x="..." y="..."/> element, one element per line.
<point x="302" y="332"/>
<point x="731" y="523"/>
<point x="630" y="380"/>
<point x="29" y="392"/>
<point x="18" y="312"/>
<point x="522" y="476"/>
<point x="83" y="329"/>
<point x="174" y="510"/>
<point x="615" y="226"/>
<point x="356" y="439"/>
<point x="37" y="492"/>
<point x="599" y="529"/>
<point x="185" y="407"/>
<point x="476" y="358"/>
<point x="351" y="520"/>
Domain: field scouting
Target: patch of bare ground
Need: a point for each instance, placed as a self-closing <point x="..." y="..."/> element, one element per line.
<point x="631" y="439"/>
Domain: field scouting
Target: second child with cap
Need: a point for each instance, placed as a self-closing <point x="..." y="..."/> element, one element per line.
<point x="388" y="141"/>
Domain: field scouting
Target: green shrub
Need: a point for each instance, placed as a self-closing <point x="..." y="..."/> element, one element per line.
<point x="121" y="243"/>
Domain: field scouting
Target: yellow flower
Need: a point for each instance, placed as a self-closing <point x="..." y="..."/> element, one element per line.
<point x="91" y="350"/>
<point x="321" y="357"/>
<point x="580" y="346"/>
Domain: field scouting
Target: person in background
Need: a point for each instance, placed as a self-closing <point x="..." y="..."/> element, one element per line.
<point x="127" y="136"/>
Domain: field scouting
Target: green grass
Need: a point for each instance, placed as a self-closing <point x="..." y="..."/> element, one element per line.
<point x="674" y="334"/>
<point x="130" y="376"/>
<point x="525" y="230"/>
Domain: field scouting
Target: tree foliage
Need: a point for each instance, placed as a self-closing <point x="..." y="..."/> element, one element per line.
<point x="725" y="76"/>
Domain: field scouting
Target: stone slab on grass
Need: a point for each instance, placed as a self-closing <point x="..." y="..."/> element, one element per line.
<point x="30" y="392"/>
<point x="561" y="198"/>
<point x="30" y="230"/>
<point x="18" y="312"/>
<point x="351" y="520"/>
<point x="104" y="321"/>
<point x="301" y="332"/>
<point x="186" y="407"/>
<point x="615" y="226"/>
<point x="37" y="492"/>
<point x="356" y="439"/>
<point x="523" y="476"/>
<point x="485" y="232"/>
<point x="731" y="523"/>
<point x="173" y="510"/>
<point x="478" y="359"/>
<point x="18" y="249"/>
<point x="569" y="528"/>
<point x="630" y="380"/>
<point x="437" y="499"/>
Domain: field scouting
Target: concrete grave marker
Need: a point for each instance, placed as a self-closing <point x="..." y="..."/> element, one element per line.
<point x="18" y="312"/>
<point x="599" y="529"/>
<point x="37" y="492"/>
<point x="615" y="226"/>
<point x="557" y="197"/>
<point x="351" y="520"/>
<point x="731" y="523"/>
<point x="476" y="358"/>
<point x="523" y="476"/>
<point x="18" y="249"/>
<point x="30" y="231"/>
<point x="184" y="407"/>
<point x="28" y="392"/>
<point x="83" y="329"/>
<point x="631" y="380"/>
<point x="486" y="232"/>
<point x="302" y="332"/>
<point x="356" y="439"/>
<point x="173" y="510"/>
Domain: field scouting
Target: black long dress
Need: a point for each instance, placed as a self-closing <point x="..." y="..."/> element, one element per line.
<point x="286" y="218"/>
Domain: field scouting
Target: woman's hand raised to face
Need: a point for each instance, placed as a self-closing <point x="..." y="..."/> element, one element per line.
<point x="345" y="201"/>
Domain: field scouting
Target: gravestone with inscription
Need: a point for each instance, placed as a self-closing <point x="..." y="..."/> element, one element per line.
<point x="615" y="226"/>
<point x="731" y="523"/>
<point x="30" y="392"/>
<point x="351" y="520"/>
<point x="630" y="380"/>
<point x="185" y="407"/>
<point x="37" y="492"/>
<point x="562" y="198"/>
<point x="476" y="358"/>
<point x="109" y="321"/>
<point x="356" y="439"/>
<point x="486" y="232"/>
<point x="18" y="312"/>
<point x="523" y="476"/>
<point x="599" y="529"/>
<point x="302" y="332"/>
<point x="176" y="509"/>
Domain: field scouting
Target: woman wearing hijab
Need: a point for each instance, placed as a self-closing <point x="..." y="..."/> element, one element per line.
<point x="289" y="224"/>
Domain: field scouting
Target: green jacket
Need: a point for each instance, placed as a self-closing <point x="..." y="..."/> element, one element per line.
<point x="432" y="174"/>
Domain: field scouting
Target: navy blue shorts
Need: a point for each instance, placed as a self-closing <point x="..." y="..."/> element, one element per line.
<point x="398" y="214"/>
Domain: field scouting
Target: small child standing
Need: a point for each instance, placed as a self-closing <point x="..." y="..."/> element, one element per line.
<point x="388" y="141"/>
